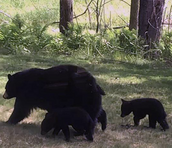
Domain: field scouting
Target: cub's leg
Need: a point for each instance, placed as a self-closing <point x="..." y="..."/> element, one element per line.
<point x="136" y="121"/>
<point x="66" y="132"/>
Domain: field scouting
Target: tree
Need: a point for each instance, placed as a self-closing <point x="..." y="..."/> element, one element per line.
<point x="66" y="14"/>
<point x="150" y="20"/>
<point x="134" y="10"/>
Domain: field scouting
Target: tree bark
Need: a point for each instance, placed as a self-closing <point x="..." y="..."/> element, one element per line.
<point x="150" y="19"/>
<point x="66" y="14"/>
<point x="134" y="10"/>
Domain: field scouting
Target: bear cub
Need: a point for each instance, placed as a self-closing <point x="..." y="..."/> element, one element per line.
<point x="60" y="119"/>
<point x="145" y="106"/>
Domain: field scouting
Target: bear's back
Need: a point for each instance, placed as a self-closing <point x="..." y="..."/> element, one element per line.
<point x="148" y="106"/>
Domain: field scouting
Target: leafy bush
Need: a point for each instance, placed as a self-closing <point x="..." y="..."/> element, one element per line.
<point x="166" y="44"/>
<point x="18" y="36"/>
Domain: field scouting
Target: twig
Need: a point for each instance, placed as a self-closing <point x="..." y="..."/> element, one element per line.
<point x="169" y="18"/>
<point x="105" y="3"/>
<point x="126" y="2"/>
<point x="119" y="27"/>
<point x="85" y="10"/>
<point x="6" y="14"/>
<point x="122" y="19"/>
<point x="44" y="28"/>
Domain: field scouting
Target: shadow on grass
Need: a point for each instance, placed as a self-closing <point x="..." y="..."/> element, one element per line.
<point x="155" y="76"/>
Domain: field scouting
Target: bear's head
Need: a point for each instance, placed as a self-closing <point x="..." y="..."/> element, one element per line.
<point x="48" y="123"/>
<point x="10" y="88"/>
<point x="125" y="108"/>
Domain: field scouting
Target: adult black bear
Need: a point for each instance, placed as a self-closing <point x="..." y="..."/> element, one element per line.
<point x="57" y="87"/>
<point x="145" y="106"/>
<point x="59" y="119"/>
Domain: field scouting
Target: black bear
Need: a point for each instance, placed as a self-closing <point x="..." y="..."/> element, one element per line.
<point x="57" y="87"/>
<point x="59" y="119"/>
<point x="102" y="118"/>
<point x="145" y="106"/>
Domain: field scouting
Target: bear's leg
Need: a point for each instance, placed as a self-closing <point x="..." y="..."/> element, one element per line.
<point x="136" y="121"/>
<point x="90" y="130"/>
<point x="21" y="110"/>
<point x="164" y="124"/>
<point x="56" y="131"/>
<point x="78" y="133"/>
<point x="79" y="130"/>
<point x="152" y="122"/>
<point x="93" y="107"/>
<point x="103" y="119"/>
<point x="66" y="132"/>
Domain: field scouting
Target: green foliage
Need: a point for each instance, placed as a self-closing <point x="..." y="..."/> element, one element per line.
<point x="17" y="3"/>
<point x="166" y="44"/>
<point x="128" y="40"/>
<point x="19" y="36"/>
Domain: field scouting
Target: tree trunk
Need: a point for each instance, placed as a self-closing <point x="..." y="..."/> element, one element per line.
<point x="150" y="19"/>
<point x="66" y="14"/>
<point x="134" y="10"/>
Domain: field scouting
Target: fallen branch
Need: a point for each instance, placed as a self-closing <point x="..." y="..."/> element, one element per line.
<point x="119" y="27"/>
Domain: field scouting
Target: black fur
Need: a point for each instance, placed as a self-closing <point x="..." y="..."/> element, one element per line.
<point x="102" y="118"/>
<point x="145" y="106"/>
<point x="57" y="87"/>
<point x="60" y="119"/>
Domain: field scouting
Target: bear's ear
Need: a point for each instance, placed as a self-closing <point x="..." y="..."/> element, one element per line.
<point x="9" y="76"/>
<point x="123" y="101"/>
<point x="46" y="115"/>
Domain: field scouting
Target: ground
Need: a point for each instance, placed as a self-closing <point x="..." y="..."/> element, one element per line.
<point x="120" y="80"/>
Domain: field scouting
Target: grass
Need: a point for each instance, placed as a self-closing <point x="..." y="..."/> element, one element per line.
<point x="120" y="80"/>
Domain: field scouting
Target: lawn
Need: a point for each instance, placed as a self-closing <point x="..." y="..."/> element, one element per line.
<point x="120" y="80"/>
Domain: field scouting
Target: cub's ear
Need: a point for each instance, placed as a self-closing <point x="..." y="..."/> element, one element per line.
<point x="46" y="115"/>
<point x="9" y="76"/>
<point x="123" y="100"/>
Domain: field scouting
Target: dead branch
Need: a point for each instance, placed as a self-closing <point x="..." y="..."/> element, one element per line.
<point x="6" y="14"/>
<point x="85" y="10"/>
<point x="126" y="2"/>
<point x="105" y="3"/>
<point x="119" y="27"/>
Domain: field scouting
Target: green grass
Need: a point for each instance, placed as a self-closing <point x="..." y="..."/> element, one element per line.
<point x="120" y="80"/>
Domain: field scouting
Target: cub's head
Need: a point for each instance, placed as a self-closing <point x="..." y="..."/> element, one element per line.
<point x="125" y="108"/>
<point x="48" y="123"/>
<point x="10" y="88"/>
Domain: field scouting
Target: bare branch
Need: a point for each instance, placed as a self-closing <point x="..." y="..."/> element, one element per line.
<point x="105" y="3"/>
<point x="119" y="27"/>
<point x="126" y="2"/>
<point x="122" y="19"/>
<point x="85" y="10"/>
<point x="5" y="14"/>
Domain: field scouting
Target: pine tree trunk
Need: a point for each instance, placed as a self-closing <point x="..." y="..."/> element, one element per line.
<point x="134" y="10"/>
<point x="150" y="19"/>
<point x="66" y="14"/>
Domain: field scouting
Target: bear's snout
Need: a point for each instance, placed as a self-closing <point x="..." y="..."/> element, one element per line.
<point x="5" y="95"/>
